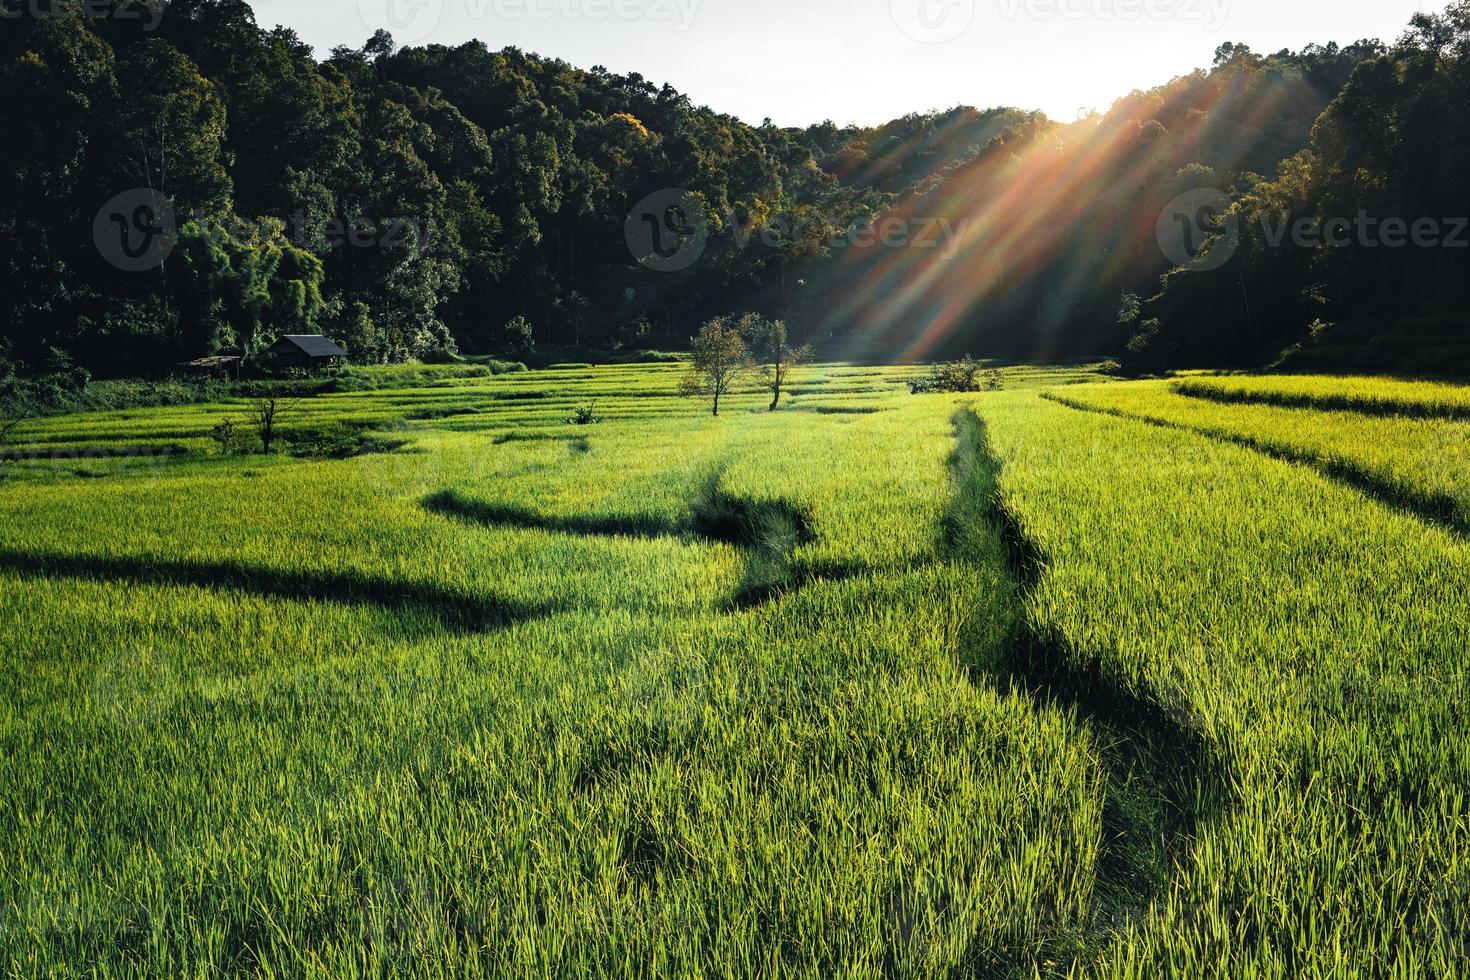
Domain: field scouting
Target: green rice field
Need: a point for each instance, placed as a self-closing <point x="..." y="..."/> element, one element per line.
<point x="1078" y="678"/>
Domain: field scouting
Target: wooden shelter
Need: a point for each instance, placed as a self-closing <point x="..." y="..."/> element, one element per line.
<point x="222" y="366"/>
<point x="309" y="351"/>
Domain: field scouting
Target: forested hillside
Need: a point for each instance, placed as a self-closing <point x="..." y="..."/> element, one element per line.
<point x="412" y="202"/>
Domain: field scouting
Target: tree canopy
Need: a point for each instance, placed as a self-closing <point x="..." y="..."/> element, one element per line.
<point x="408" y="202"/>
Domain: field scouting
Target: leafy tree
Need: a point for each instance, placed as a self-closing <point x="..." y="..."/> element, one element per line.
<point x="520" y="338"/>
<point x="1383" y="150"/>
<point x="720" y="358"/>
<point x="171" y="129"/>
<point x="62" y="78"/>
<point x="243" y="286"/>
<point x="770" y="346"/>
<point x="233" y="440"/>
<point x="350" y="325"/>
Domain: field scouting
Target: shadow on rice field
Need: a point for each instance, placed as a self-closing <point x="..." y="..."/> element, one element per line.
<point x="767" y="532"/>
<point x="575" y="444"/>
<point x="449" y="609"/>
<point x="1163" y="779"/>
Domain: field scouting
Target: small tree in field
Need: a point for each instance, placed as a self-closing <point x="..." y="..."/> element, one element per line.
<point x="266" y="415"/>
<point x="720" y="359"/>
<point x="14" y="408"/>
<point x="768" y="339"/>
<point x="9" y="421"/>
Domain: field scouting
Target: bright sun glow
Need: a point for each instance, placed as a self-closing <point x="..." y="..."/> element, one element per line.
<point x="865" y="61"/>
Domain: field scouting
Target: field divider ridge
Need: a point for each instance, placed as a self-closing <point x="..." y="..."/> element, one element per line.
<point x="1441" y="510"/>
<point x="1373" y="407"/>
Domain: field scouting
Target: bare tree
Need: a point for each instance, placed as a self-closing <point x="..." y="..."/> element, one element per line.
<point x="769" y="341"/>
<point x="14" y="409"/>
<point x="10" y="420"/>
<point x="720" y="359"/>
<point x="266" y="414"/>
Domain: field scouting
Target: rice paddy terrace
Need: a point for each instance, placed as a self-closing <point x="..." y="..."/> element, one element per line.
<point x="1076" y="678"/>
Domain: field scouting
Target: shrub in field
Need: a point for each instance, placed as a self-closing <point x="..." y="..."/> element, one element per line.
<point x="294" y="387"/>
<point x="27" y="391"/>
<point x="234" y="440"/>
<point x="440" y="358"/>
<point x="1146" y="354"/>
<point x="586" y="415"/>
<point x="341" y="442"/>
<point x="101" y="396"/>
<point x="956" y="376"/>
<point x="385" y="376"/>
<point x="646" y="357"/>
<point x="337" y="441"/>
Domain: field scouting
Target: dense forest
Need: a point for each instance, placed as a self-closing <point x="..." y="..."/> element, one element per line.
<point x="417" y="202"/>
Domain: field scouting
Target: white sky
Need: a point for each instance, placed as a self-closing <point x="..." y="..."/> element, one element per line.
<point x="864" y="61"/>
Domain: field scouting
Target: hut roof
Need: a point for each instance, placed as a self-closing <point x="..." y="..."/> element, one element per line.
<point x="312" y="345"/>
